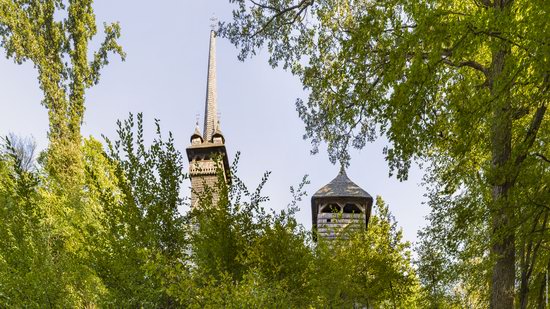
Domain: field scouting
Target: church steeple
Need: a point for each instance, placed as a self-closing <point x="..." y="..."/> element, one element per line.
<point x="211" y="108"/>
<point x="207" y="153"/>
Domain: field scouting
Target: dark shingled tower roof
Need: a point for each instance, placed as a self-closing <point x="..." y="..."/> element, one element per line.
<point x="341" y="186"/>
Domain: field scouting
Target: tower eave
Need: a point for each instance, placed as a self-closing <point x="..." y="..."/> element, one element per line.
<point x="207" y="151"/>
<point x="316" y="200"/>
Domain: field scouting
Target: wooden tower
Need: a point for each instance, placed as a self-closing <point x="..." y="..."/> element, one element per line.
<point x="340" y="205"/>
<point x="209" y="146"/>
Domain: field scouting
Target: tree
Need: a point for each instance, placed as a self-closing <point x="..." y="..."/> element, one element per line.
<point x="464" y="85"/>
<point x="23" y="150"/>
<point x="21" y="239"/>
<point x="126" y="244"/>
<point x="56" y="216"/>
<point x="452" y="253"/>
<point x="372" y="268"/>
<point x="47" y="249"/>
<point x="534" y="234"/>
<point x="137" y="189"/>
<point x="58" y="48"/>
<point x="243" y="255"/>
<point x="44" y="248"/>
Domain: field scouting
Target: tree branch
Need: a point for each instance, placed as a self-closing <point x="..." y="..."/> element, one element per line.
<point x="448" y="52"/>
<point x="470" y="63"/>
<point x="541" y="156"/>
<point x="498" y="35"/>
<point x="529" y="138"/>
<point x="302" y="5"/>
<point x="263" y="6"/>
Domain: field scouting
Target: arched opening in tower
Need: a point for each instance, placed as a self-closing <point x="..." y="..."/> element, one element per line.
<point x="331" y="208"/>
<point x="352" y="209"/>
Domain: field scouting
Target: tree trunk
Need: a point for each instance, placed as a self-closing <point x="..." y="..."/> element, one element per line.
<point x="502" y="288"/>
<point x="524" y="280"/>
<point x="503" y="237"/>
<point x="542" y="289"/>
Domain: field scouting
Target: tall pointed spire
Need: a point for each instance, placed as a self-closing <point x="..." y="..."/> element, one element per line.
<point x="210" y="108"/>
<point x="206" y="151"/>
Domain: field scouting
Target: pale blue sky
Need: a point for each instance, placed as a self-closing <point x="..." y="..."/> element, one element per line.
<point x="164" y="77"/>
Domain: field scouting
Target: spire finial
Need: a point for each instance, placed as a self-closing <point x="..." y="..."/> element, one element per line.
<point x="196" y="138"/>
<point x="342" y="169"/>
<point x="213" y="22"/>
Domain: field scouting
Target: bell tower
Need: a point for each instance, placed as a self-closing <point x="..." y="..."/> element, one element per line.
<point x="340" y="205"/>
<point x="208" y="149"/>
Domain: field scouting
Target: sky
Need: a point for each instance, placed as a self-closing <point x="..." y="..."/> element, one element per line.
<point x="164" y="77"/>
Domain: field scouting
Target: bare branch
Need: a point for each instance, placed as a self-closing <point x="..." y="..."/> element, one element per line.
<point x="529" y="138"/>
<point x="470" y="63"/>
<point x="263" y="6"/>
<point x="520" y="112"/>
<point x="302" y="6"/>
<point x="498" y="35"/>
<point x="541" y="156"/>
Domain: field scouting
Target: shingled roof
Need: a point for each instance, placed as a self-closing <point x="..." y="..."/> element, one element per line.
<point x="211" y="106"/>
<point x="196" y="134"/>
<point x="343" y="189"/>
<point x="341" y="186"/>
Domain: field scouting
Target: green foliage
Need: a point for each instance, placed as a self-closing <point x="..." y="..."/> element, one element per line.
<point x="58" y="48"/>
<point x="372" y="268"/>
<point x="367" y="75"/>
<point x="20" y="240"/>
<point x="243" y="256"/>
<point x="111" y="246"/>
<point x="461" y="85"/>
<point x="43" y="248"/>
<point x="95" y="225"/>
<point x="124" y="242"/>
<point x="138" y="188"/>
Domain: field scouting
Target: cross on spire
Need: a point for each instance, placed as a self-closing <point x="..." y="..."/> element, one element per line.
<point x="213" y="22"/>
